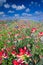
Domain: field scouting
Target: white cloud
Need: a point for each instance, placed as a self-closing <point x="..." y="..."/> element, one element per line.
<point x="39" y="5"/>
<point x="32" y="2"/>
<point x="23" y="16"/>
<point x="36" y="3"/>
<point x="37" y="12"/>
<point x="29" y="4"/>
<point x="26" y="14"/>
<point x="37" y="16"/>
<point x="1" y="13"/>
<point x="16" y="15"/>
<point x="20" y="7"/>
<point x="42" y="1"/>
<point x="10" y="11"/>
<point x="4" y="15"/>
<point x="2" y="1"/>
<point x="14" y="6"/>
<point x="27" y="10"/>
<point x="7" y="6"/>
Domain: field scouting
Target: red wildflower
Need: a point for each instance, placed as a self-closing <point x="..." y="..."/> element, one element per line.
<point x="0" y="53"/>
<point x="8" y="49"/>
<point x="5" y="55"/>
<point x="13" y="53"/>
<point x="22" y="51"/>
<point x="0" y="57"/>
<point x="28" y="53"/>
<point x="25" y="48"/>
<point x="15" y="62"/>
<point x="40" y="33"/>
<point x="19" y="61"/>
<point x="33" y="30"/>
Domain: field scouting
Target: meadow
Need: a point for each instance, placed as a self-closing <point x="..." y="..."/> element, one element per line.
<point x="21" y="43"/>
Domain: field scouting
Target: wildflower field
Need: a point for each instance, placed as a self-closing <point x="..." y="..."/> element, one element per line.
<point x="21" y="43"/>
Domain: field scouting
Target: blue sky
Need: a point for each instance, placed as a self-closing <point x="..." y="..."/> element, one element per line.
<point x="21" y="9"/>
